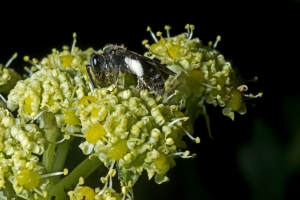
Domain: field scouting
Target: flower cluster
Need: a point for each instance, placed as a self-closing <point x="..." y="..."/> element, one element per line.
<point x="53" y="84"/>
<point x="128" y="130"/>
<point x="135" y="130"/>
<point x="203" y="74"/>
<point x="124" y="129"/>
<point x="18" y="143"/>
<point x="8" y="76"/>
<point x="48" y="89"/>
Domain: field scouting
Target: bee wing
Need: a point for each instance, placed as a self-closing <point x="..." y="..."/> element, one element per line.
<point x="154" y="63"/>
<point x="160" y="67"/>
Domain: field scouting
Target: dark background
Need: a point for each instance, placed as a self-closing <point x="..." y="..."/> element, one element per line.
<point x="254" y="157"/>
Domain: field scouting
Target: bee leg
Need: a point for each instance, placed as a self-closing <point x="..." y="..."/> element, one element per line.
<point x="140" y="84"/>
<point x="88" y="68"/>
<point x="116" y="77"/>
<point x="123" y="71"/>
<point x="107" y="71"/>
<point x="102" y="79"/>
<point x="107" y="76"/>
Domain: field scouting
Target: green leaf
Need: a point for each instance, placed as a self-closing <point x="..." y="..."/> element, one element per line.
<point x="261" y="162"/>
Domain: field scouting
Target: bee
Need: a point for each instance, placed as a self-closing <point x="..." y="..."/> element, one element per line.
<point x="115" y="59"/>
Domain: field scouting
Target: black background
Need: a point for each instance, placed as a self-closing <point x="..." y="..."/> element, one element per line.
<point x="262" y="39"/>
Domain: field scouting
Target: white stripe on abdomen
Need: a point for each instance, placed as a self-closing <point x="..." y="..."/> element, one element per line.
<point x="134" y="67"/>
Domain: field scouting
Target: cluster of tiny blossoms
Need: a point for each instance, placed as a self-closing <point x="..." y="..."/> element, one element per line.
<point x="126" y="129"/>
<point x="8" y="76"/>
<point x="203" y="74"/>
<point x="18" y="164"/>
<point x="20" y="143"/>
<point x="53" y="84"/>
<point x="134" y="131"/>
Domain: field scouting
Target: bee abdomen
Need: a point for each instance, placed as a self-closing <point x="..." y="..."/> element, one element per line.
<point x="157" y="83"/>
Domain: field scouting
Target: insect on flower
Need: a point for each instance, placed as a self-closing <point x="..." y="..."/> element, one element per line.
<point x="116" y="59"/>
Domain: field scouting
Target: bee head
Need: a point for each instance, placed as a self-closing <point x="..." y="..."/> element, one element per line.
<point x="98" y="63"/>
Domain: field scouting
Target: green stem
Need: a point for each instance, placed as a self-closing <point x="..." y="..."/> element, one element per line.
<point x="193" y="109"/>
<point x="84" y="169"/>
<point x="206" y="116"/>
<point x="9" y="191"/>
<point x="52" y="133"/>
<point x="61" y="155"/>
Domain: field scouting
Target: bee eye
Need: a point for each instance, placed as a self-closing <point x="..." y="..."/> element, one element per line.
<point x="95" y="61"/>
<point x="98" y="61"/>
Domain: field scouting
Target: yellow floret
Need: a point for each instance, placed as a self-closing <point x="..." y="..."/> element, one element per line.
<point x="162" y="165"/>
<point x="84" y="193"/>
<point x="27" y="106"/>
<point x="87" y="99"/>
<point x="29" y="179"/>
<point x="71" y="118"/>
<point x="118" y="150"/>
<point x="95" y="133"/>
<point x="66" y="60"/>
<point x="235" y="100"/>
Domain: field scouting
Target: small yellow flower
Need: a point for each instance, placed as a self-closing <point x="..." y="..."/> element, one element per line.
<point x="85" y="192"/>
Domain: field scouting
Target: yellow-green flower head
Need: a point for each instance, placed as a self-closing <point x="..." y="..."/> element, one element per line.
<point x="49" y="89"/>
<point x="27" y="175"/>
<point x="8" y="76"/>
<point x="136" y="130"/>
<point x="4" y="169"/>
<point x="70" y="60"/>
<point x="53" y="84"/>
<point x="202" y="73"/>
<point x="17" y="136"/>
<point x="85" y="192"/>
<point x="17" y="143"/>
<point x="8" y="145"/>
